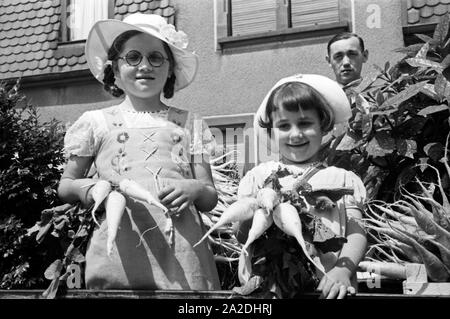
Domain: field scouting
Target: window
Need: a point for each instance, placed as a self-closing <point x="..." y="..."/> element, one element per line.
<point x="421" y="17"/>
<point x="78" y="16"/>
<point x="244" y="20"/>
<point x="234" y="132"/>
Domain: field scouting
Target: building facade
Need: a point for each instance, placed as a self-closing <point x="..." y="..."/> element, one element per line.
<point x="244" y="47"/>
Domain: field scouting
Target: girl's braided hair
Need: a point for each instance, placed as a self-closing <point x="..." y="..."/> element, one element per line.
<point x="113" y="54"/>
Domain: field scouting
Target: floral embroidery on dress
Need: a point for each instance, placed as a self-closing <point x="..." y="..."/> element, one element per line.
<point x="123" y="137"/>
<point x="120" y="162"/>
<point x="177" y="135"/>
<point x="178" y="153"/>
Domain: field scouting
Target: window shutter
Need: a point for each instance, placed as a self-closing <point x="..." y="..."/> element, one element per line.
<point x="222" y="18"/>
<point x="314" y="12"/>
<point x="253" y="16"/>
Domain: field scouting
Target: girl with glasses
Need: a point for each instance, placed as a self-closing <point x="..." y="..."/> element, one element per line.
<point x="162" y="149"/>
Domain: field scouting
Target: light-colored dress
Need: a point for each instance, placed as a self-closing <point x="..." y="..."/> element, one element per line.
<point x="140" y="146"/>
<point x="328" y="177"/>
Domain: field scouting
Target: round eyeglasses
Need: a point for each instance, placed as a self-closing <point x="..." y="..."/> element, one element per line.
<point x="134" y="58"/>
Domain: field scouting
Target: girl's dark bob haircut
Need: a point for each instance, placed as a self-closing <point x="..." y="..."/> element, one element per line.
<point x="292" y="97"/>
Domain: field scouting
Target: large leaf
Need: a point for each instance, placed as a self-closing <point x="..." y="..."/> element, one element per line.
<point x="422" y="54"/>
<point x="425" y="63"/>
<point x="429" y="90"/>
<point x="362" y="104"/>
<point x="440" y="33"/>
<point x="381" y="145"/>
<point x="410" y="50"/>
<point x="404" y="95"/>
<point x="446" y="62"/>
<point x="348" y="143"/>
<point x="379" y="97"/>
<point x="435" y="151"/>
<point x="368" y="81"/>
<point x="425" y="38"/>
<point x="433" y="109"/>
<point x="442" y="86"/>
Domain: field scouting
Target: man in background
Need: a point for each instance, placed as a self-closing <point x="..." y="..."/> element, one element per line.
<point x="346" y="56"/>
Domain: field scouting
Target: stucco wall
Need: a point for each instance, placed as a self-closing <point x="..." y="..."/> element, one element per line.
<point x="236" y="82"/>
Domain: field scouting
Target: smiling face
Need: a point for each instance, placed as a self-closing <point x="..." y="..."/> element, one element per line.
<point x="143" y="80"/>
<point x="346" y="59"/>
<point x="298" y="133"/>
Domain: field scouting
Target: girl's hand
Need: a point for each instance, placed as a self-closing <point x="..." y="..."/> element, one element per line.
<point x="336" y="284"/>
<point x="179" y="194"/>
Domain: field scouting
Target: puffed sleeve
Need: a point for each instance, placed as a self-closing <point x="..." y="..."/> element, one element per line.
<point x="80" y="138"/>
<point x="338" y="177"/>
<point x="359" y="196"/>
<point x="202" y="140"/>
<point x="254" y="179"/>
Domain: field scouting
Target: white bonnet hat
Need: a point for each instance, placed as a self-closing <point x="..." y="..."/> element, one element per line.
<point x="104" y="32"/>
<point x="327" y="88"/>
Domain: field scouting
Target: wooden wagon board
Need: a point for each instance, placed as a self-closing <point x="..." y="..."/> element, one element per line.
<point x="164" y="294"/>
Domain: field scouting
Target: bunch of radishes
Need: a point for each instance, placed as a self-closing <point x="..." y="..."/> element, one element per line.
<point x="272" y="205"/>
<point x="115" y="203"/>
<point x="264" y="210"/>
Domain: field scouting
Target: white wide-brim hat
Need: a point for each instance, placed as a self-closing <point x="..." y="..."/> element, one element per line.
<point x="327" y="88"/>
<point x="104" y="32"/>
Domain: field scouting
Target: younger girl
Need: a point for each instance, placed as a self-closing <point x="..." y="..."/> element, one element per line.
<point x="151" y="143"/>
<point x="294" y="116"/>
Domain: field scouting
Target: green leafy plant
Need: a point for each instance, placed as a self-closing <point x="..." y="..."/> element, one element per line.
<point x="71" y="226"/>
<point x="31" y="160"/>
<point x="397" y="143"/>
<point x="400" y="119"/>
<point x="415" y="229"/>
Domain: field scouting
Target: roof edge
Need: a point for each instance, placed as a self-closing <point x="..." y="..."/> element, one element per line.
<point x="56" y="79"/>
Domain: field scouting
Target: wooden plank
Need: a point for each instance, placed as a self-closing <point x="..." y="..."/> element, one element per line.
<point x="416" y="273"/>
<point x="175" y="294"/>
<point x="426" y="288"/>
<point x="416" y="282"/>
